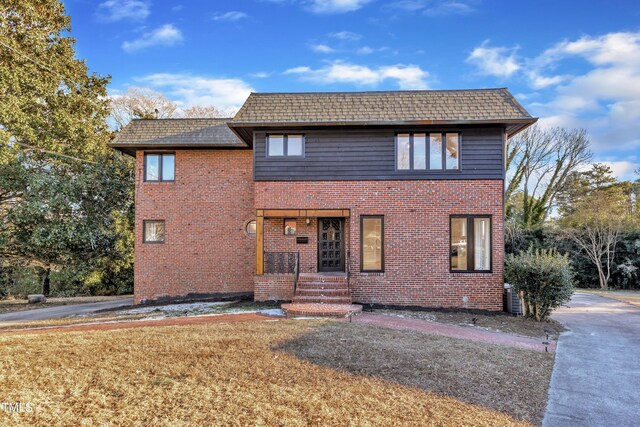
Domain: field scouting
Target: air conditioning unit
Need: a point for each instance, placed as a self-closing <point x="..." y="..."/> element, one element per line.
<point x="513" y="302"/>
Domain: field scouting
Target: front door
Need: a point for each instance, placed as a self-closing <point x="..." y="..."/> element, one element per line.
<point x="331" y="244"/>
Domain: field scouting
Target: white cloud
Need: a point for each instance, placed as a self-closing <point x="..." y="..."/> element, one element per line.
<point x="231" y="16"/>
<point x="365" y="50"/>
<point x="405" y="76"/>
<point x="345" y="35"/>
<point x="166" y="35"/>
<point x="260" y="75"/>
<point x="435" y="7"/>
<point x="604" y="97"/>
<point x="334" y="6"/>
<point x="322" y="48"/>
<point x="117" y="10"/>
<point x="623" y="170"/>
<point x="190" y="90"/>
<point x="494" y="61"/>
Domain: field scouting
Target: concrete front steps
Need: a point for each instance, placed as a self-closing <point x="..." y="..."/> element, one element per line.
<point x="322" y="295"/>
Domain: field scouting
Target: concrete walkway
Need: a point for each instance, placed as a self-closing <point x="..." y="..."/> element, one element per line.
<point x="453" y="331"/>
<point x="63" y="311"/>
<point x="596" y="377"/>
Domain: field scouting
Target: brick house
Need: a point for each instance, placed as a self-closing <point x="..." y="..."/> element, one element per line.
<point x="371" y="197"/>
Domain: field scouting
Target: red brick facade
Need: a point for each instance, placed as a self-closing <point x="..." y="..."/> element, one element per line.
<point x="416" y="236"/>
<point x="206" y="250"/>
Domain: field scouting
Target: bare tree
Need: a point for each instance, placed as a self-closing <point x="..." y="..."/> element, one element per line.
<point x="201" y="112"/>
<point x="539" y="163"/>
<point x="140" y="103"/>
<point x="598" y="240"/>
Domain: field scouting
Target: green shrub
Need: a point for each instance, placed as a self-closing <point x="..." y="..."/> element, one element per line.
<point x="543" y="280"/>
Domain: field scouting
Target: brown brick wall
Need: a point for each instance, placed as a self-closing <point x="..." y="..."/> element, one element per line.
<point x="273" y="287"/>
<point x="416" y="221"/>
<point x="206" y="250"/>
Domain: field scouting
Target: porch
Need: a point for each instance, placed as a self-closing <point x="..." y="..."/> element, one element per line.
<point x="303" y="256"/>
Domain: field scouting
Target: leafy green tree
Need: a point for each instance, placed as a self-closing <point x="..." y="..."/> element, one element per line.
<point x="65" y="198"/>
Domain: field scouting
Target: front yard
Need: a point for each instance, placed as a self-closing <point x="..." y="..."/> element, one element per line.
<point x="286" y="372"/>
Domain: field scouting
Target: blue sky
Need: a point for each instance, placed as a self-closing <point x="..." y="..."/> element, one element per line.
<point x="571" y="63"/>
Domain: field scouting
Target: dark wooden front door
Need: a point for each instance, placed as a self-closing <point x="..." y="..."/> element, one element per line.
<point x="331" y="244"/>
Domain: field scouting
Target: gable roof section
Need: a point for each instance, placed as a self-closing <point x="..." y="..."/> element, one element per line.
<point x="176" y="133"/>
<point x="420" y="107"/>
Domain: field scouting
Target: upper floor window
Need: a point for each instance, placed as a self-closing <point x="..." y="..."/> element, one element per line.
<point x="442" y="152"/>
<point x="159" y="167"/>
<point x="285" y="145"/>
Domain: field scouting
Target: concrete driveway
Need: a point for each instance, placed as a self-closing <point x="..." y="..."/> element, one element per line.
<point x="63" y="311"/>
<point x="596" y="378"/>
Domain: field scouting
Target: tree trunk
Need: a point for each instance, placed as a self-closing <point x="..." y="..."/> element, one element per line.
<point x="602" y="278"/>
<point x="46" y="281"/>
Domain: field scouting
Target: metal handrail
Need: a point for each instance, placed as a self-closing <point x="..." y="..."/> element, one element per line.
<point x="296" y="273"/>
<point x="280" y="262"/>
<point x="349" y="270"/>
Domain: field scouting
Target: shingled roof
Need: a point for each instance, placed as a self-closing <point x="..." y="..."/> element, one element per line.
<point x="187" y="133"/>
<point x="380" y="107"/>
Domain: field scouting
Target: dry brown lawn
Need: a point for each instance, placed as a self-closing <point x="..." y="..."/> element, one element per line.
<point x="499" y="321"/>
<point x="264" y="373"/>
<point x="630" y="297"/>
<point x="11" y="304"/>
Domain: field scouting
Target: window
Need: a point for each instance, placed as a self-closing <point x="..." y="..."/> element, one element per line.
<point x="290" y="228"/>
<point x="438" y="151"/>
<point x="470" y="243"/>
<point x="452" y="151"/>
<point x="285" y="145"/>
<point x="153" y="231"/>
<point x="372" y="243"/>
<point x="159" y="167"/>
<point x="250" y="228"/>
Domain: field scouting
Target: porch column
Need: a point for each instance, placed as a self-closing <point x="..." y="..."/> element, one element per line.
<point x="259" y="242"/>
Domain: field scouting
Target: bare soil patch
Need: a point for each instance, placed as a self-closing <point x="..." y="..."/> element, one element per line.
<point x="501" y="322"/>
<point x="251" y="374"/>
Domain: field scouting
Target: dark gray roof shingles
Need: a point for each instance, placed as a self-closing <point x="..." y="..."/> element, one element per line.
<point x="169" y="132"/>
<point x="393" y="106"/>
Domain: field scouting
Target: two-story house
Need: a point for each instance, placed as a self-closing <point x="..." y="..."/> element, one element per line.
<point x="372" y="197"/>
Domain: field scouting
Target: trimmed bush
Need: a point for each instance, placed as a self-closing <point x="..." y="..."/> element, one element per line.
<point x="543" y="280"/>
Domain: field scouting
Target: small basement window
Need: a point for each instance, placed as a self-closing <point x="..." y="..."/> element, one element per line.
<point x="159" y="167"/>
<point x="153" y="231"/>
<point x="285" y="145"/>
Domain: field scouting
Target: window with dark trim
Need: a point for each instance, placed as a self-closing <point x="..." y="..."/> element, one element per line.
<point x="159" y="167"/>
<point x="371" y="243"/>
<point x="153" y="231"/>
<point x="428" y="151"/>
<point x="290" y="227"/>
<point x="470" y="243"/>
<point x="285" y="145"/>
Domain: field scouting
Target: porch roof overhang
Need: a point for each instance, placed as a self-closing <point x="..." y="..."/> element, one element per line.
<point x="302" y="213"/>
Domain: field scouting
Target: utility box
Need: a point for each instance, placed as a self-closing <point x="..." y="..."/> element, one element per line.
<point x="513" y="304"/>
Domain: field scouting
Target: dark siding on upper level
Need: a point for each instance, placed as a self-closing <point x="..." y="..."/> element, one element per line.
<point x="369" y="154"/>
